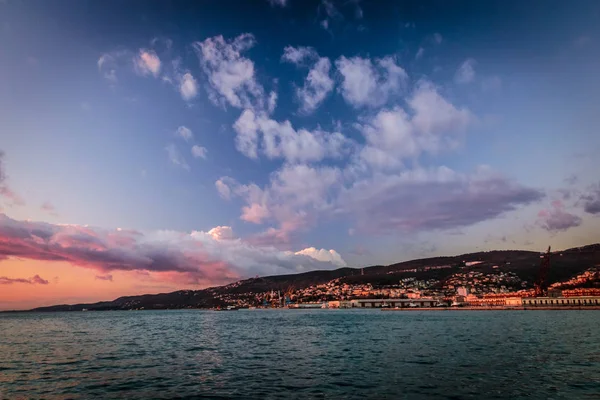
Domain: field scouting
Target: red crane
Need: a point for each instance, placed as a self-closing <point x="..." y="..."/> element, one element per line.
<point x="540" y="285"/>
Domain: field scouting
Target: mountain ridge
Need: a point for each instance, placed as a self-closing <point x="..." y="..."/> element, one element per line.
<point x="523" y="263"/>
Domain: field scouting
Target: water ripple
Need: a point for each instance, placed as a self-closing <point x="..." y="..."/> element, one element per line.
<point x="330" y="354"/>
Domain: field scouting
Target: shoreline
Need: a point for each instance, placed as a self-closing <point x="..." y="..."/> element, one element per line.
<point x="492" y="308"/>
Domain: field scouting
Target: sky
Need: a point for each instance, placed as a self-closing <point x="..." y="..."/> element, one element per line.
<point x="181" y="145"/>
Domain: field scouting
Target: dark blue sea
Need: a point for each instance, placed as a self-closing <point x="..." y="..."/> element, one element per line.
<point x="311" y="354"/>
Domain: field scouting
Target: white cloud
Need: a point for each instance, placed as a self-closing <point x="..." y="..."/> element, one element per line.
<point x="176" y="157"/>
<point x="434" y="114"/>
<point x="180" y="78"/>
<point x="147" y="62"/>
<point x="318" y="83"/>
<point x="466" y="72"/>
<point x="247" y="137"/>
<point x="221" y="233"/>
<point x="272" y="103"/>
<point x="370" y="84"/>
<point x="317" y="86"/>
<point x="298" y="55"/>
<point x="281" y="140"/>
<point x="437" y="38"/>
<point x="230" y="75"/>
<point x="433" y="125"/>
<point x="330" y="256"/>
<point x="199" y="151"/>
<point x="185" y="133"/>
<point x="188" y="88"/>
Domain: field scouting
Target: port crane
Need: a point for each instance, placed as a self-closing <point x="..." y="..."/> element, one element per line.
<point x="288" y="295"/>
<point x="541" y="285"/>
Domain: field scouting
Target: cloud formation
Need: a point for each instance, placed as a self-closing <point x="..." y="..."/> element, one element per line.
<point x="300" y="55"/>
<point x="188" y="87"/>
<point x="431" y="199"/>
<point x="199" y="151"/>
<point x="370" y="84"/>
<point x="318" y="84"/>
<point x="432" y="124"/>
<point x="375" y="189"/>
<point x="231" y="76"/>
<point x="466" y="72"/>
<point x="295" y="196"/>
<point x="298" y="196"/>
<point x="34" y="280"/>
<point x="331" y="256"/>
<point x="591" y="200"/>
<point x="213" y="257"/>
<point x="147" y="62"/>
<point x="107" y="277"/>
<point x="557" y="219"/>
<point x="185" y="133"/>
<point x="261" y="134"/>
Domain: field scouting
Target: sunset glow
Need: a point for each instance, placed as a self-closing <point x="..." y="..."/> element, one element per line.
<point x="194" y="149"/>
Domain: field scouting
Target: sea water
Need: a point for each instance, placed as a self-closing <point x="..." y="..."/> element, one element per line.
<point x="309" y="354"/>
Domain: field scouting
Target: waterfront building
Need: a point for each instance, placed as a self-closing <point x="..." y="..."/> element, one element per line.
<point x="400" y="303"/>
<point x="581" y="292"/>
<point x="575" y="301"/>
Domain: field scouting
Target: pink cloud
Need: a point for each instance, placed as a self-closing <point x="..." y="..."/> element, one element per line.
<point x="35" y="280"/>
<point x="255" y="213"/>
<point x="272" y="237"/>
<point x="204" y="258"/>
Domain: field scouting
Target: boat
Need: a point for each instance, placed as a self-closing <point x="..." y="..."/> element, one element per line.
<point x="228" y="308"/>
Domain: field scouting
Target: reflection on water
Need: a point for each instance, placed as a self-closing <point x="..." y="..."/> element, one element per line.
<point x="301" y="354"/>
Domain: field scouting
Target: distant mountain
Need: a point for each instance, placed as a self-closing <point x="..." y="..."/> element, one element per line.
<point x="564" y="265"/>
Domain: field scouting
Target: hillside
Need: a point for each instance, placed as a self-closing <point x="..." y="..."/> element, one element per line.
<point x="564" y="265"/>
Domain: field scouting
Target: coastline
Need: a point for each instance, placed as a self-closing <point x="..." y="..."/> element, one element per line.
<point x="491" y="308"/>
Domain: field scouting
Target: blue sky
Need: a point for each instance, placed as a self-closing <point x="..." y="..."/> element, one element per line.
<point x="415" y="128"/>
